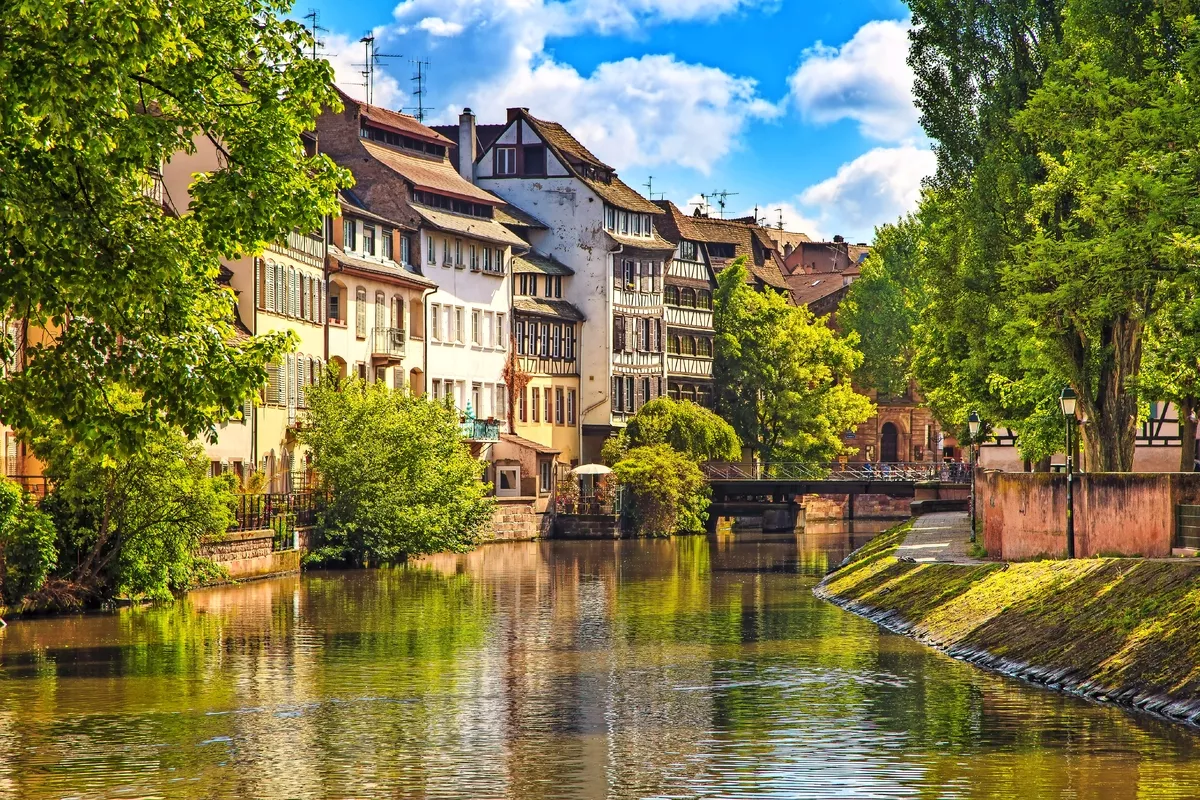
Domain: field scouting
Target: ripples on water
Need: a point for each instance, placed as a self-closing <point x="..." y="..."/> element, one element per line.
<point x="642" y="669"/>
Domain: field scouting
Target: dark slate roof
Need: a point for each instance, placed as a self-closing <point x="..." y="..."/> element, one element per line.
<point x="559" y="309"/>
<point x="748" y="240"/>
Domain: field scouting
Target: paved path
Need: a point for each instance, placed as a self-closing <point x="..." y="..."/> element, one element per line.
<point x="939" y="537"/>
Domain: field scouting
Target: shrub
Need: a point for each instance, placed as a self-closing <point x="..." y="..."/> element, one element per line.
<point x="28" y="545"/>
<point x="668" y="494"/>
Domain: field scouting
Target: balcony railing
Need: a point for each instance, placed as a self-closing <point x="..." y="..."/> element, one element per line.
<point x="480" y="430"/>
<point x="388" y="343"/>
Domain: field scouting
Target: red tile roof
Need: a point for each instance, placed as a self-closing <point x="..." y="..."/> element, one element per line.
<point x="752" y="241"/>
<point x="424" y="173"/>
<point x="395" y="121"/>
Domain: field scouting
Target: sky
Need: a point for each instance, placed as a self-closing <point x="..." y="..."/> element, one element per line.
<point x="801" y="108"/>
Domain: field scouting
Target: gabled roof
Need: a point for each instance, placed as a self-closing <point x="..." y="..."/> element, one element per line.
<point x="655" y="242"/>
<point x="509" y="214"/>
<point x="815" y="287"/>
<point x="474" y="227"/>
<point x="575" y="157"/>
<point x="432" y="175"/>
<point x="395" y="121"/>
<point x="534" y="262"/>
<point x="752" y="241"/>
<point x="536" y="447"/>
<point x="558" y="309"/>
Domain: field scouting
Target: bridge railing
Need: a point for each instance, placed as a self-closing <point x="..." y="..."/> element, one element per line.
<point x="801" y="471"/>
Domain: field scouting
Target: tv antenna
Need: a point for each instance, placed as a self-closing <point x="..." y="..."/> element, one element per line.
<point x="371" y="61"/>
<point x="779" y="223"/>
<point x="315" y="16"/>
<point x="422" y="74"/>
<point x="721" y="198"/>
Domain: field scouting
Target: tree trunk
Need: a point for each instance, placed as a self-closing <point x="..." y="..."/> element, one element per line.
<point x="1185" y="410"/>
<point x="1110" y="431"/>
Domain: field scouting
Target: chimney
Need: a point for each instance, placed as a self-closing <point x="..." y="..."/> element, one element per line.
<point x="466" y="145"/>
<point x="514" y="113"/>
<point x="839" y="238"/>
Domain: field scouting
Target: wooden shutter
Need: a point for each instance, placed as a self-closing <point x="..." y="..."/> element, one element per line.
<point x="322" y="303"/>
<point x="629" y="336"/>
<point x="270" y="277"/>
<point x="260" y="298"/>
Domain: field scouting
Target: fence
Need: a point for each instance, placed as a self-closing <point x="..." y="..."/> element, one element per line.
<point x="952" y="472"/>
<point x="281" y="512"/>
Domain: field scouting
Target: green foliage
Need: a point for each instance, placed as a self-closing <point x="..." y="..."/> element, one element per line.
<point x="97" y="97"/>
<point x="27" y="545"/>
<point x="131" y="526"/>
<point x="668" y="492"/>
<point x="687" y="427"/>
<point x="783" y="376"/>
<point x="401" y="480"/>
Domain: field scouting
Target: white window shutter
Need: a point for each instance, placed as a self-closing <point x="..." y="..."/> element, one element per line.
<point x="270" y="299"/>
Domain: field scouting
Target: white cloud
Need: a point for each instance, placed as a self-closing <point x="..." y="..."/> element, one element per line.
<point x="867" y="80"/>
<point x="347" y="57"/>
<point x="877" y="187"/>
<point x="436" y="26"/>
<point x="638" y="112"/>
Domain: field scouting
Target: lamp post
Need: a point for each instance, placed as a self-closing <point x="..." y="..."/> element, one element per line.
<point x="973" y="428"/>
<point x="1066" y="402"/>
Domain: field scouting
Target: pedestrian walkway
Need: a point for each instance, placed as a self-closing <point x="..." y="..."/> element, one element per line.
<point x="944" y="536"/>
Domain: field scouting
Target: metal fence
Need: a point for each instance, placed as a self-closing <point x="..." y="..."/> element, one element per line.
<point x="871" y="471"/>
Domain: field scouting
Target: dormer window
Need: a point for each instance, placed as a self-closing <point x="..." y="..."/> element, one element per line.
<point x="535" y="159"/>
<point x="369" y="239"/>
<point x="687" y="250"/>
<point x="386" y="241"/>
<point x="506" y="161"/>
<point x="349" y="235"/>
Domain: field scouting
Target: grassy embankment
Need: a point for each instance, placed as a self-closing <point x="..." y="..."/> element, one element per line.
<point x="1118" y="629"/>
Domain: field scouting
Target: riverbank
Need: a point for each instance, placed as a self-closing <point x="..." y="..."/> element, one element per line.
<point x="1119" y="630"/>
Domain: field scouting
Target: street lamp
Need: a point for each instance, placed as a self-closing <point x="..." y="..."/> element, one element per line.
<point x="973" y="428"/>
<point x="1066" y="402"/>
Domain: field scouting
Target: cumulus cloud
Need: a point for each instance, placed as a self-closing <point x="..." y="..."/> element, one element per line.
<point x="638" y="112"/>
<point x="879" y="186"/>
<point x="866" y="80"/>
<point x="347" y="56"/>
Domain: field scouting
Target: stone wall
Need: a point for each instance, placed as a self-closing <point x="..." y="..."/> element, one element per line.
<point x="248" y="554"/>
<point x="1132" y="514"/>
<point x="866" y="506"/>
<point x="586" y="526"/>
<point x="516" y="519"/>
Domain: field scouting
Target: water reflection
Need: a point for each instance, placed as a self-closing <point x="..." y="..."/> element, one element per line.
<point x="689" y="667"/>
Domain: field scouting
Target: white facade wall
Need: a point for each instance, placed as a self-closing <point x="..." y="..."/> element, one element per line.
<point x="468" y="366"/>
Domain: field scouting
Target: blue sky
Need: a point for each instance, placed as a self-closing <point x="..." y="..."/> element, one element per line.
<point x="798" y="106"/>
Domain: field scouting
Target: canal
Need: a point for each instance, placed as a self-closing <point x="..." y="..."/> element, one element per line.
<point x="678" y="668"/>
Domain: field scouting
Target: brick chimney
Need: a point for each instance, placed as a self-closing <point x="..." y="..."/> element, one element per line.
<point x="466" y="145"/>
<point x="514" y="113"/>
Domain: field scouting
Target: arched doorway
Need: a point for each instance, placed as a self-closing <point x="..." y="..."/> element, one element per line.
<point x="416" y="382"/>
<point x="888" y="443"/>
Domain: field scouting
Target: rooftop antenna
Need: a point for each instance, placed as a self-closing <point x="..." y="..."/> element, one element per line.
<point x="703" y="205"/>
<point x="649" y="184"/>
<point x="315" y="15"/>
<point x="419" y="93"/>
<point x="371" y="61"/>
<point x="779" y="223"/>
<point x="720" y="197"/>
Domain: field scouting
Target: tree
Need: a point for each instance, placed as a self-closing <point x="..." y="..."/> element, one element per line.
<point x="1171" y="366"/>
<point x="686" y="427"/>
<point x="400" y="479"/>
<point x="783" y="377"/>
<point x="93" y="105"/>
<point x="668" y="492"/>
<point x="883" y="307"/>
<point x="28" y="549"/>
<point x="131" y="526"/>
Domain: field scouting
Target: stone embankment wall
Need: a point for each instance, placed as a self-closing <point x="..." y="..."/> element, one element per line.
<point x="1125" y="631"/>
<point x="1133" y="514"/>
<point x="517" y="519"/>
<point x="248" y="554"/>
<point x="866" y="506"/>
<point x="586" y="526"/>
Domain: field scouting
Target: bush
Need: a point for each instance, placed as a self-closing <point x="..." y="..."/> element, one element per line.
<point x="668" y="494"/>
<point x="28" y="546"/>
<point x="690" y="429"/>
<point x="401" y="480"/>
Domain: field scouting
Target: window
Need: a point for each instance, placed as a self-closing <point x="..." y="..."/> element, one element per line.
<point x="531" y="339"/>
<point x="624" y="222"/>
<point x="535" y="159"/>
<point x="522" y="284"/>
<point x="630" y="275"/>
<point x="508" y="481"/>
<point x="360" y="313"/>
<point x="459" y="333"/>
<point x="435" y="323"/>
<point x="637" y="224"/>
<point x="687" y="250"/>
<point x="477" y="400"/>
<point x="431" y="258"/>
<point x="458" y="255"/>
<point x="671" y="296"/>
<point x="721" y="250"/>
<point x="645" y="390"/>
<point x="558" y="286"/>
<point x="487" y="259"/>
<point x="381" y="375"/>
<point x="647" y="226"/>
<point x="629" y="394"/>
<point x="521" y="337"/>
<point x="673" y="345"/>
<point x="687" y="298"/>
<point x="549" y="286"/>
<point x="556" y="351"/>
<point x="571" y="407"/>
<point x="618" y="395"/>
<point x="536" y="403"/>
<point x="706" y="348"/>
<point x="618" y="333"/>
<point x="544" y="350"/>
<point x="501" y="332"/>
<point x="560" y="407"/>
<point x="499" y="265"/>
<point x="610" y="218"/>
<point x="362" y="371"/>
<point x="474" y="258"/>
<point x="476" y="327"/>
<point x="506" y="161"/>
<point x="689" y="346"/>
<point x="386" y="241"/>
<point x="533" y="284"/>
<point x="369" y="239"/>
<point x="647" y="342"/>
<point x="447" y="256"/>
<point x="397" y="379"/>
<point x="544" y="476"/>
<point x="335" y="312"/>
<point x="380" y="311"/>
<point x="569" y="343"/>
<point x="349" y="235"/>
<point x="704" y="298"/>
<point x="549" y="406"/>
<point x="436" y="389"/>
<point x="522" y="411"/>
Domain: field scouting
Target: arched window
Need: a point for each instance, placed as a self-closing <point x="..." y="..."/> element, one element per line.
<point x="689" y="346"/>
<point x="705" y="348"/>
<point x="704" y="298"/>
<point x="398" y="312"/>
<point x="688" y="298"/>
<point x="360" y="312"/>
<point x="673" y="347"/>
<point x="671" y="296"/>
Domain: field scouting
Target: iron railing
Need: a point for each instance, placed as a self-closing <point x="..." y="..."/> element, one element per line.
<point x="256" y="512"/>
<point x="388" y="342"/>
<point x="480" y="430"/>
<point x="36" y="485"/>
<point x="899" y="471"/>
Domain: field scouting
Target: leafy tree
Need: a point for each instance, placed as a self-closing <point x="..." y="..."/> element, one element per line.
<point x="401" y="480"/>
<point x="668" y="492"/>
<point x="782" y="375"/>
<point x="1171" y="366"/>
<point x="884" y="306"/>
<point x="686" y="427"/>
<point x="130" y="526"/>
<point x="27" y="545"/>
<point x="97" y="96"/>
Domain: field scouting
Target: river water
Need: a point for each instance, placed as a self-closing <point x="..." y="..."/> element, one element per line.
<point x="677" y="668"/>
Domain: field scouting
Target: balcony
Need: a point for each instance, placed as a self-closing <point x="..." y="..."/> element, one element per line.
<point x="387" y="345"/>
<point x="479" y="430"/>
